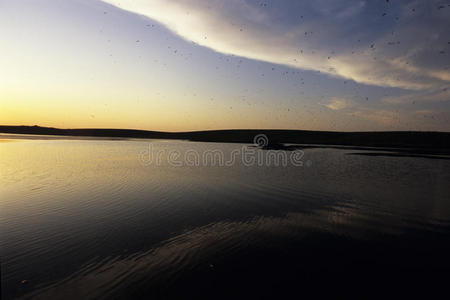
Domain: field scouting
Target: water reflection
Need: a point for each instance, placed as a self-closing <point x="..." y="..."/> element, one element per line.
<point x="83" y="218"/>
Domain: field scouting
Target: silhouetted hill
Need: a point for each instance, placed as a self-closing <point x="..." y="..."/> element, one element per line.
<point x="437" y="142"/>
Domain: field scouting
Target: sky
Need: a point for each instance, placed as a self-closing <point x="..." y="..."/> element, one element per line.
<point x="179" y="65"/>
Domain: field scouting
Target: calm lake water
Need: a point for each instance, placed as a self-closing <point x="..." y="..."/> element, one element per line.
<point x="84" y="218"/>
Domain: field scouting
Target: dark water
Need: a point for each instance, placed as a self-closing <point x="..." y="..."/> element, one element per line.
<point x="87" y="219"/>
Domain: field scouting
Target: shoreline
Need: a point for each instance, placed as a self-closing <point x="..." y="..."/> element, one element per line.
<point x="407" y="142"/>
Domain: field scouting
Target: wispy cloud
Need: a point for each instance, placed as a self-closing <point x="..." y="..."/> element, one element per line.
<point x="427" y="96"/>
<point x="338" y="104"/>
<point x="383" y="45"/>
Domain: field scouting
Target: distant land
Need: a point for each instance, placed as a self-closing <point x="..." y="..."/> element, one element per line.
<point x="411" y="141"/>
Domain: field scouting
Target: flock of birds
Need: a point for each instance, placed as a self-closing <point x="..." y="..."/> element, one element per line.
<point x="299" y="80"/>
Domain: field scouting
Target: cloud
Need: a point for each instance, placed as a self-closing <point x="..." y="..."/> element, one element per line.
<point x="338" y="104"/>
<point x="427" y="96"/>
<point x="426" y="119"/>
<point x="384" y="44"/>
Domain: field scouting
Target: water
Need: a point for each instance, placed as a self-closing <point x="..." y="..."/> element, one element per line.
<point x="85" y="218"/>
